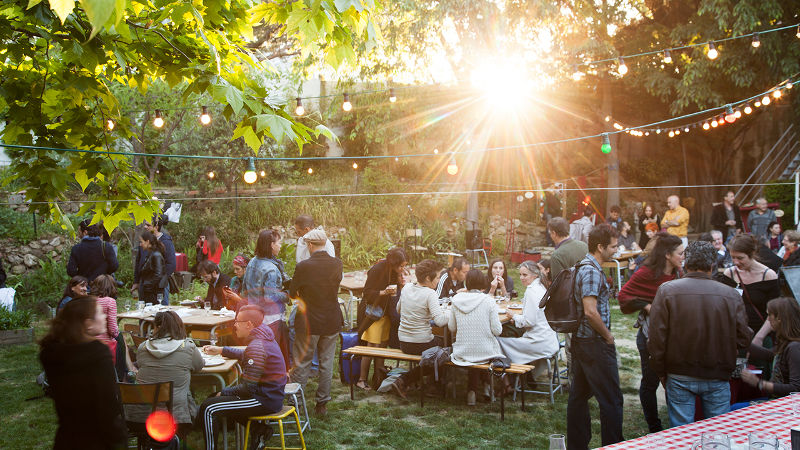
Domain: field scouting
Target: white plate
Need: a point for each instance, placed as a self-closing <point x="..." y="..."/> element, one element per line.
<point x="213" y="361"/>
<point x="501" y="310"/>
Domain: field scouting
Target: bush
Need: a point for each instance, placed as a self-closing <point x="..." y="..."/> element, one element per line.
<point x="45" y="284"/>
<point x="783" y="194"/>
<point x="15" y="320"/>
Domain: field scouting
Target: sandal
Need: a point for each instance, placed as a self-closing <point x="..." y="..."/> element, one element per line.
<point x="362" y="384"/>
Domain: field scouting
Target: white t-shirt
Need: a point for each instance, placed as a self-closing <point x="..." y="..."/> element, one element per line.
<point x="303" y="254"/>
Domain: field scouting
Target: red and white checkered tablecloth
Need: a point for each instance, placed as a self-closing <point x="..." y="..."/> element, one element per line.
<point x="774" y="416"/>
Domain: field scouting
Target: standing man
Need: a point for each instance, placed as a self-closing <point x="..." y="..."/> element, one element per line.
<point x="594" y="355"/>
<point x="452" y="279"/>
<point x="169" y="258"/>
<point x="302" y="225"/>
<point x="209" y="272"/>
<point x="568" y="251"/>
<point x="727" y="218"/>
<point x="759" y="219"/>
<point x="91" y="257"/>
<point x="690" y="311"/>
<point x="579" y="229"/>
<point x="315" y="286"/>
<point x="676" y="219"/>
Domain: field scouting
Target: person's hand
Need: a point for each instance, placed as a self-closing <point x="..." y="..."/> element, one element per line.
<point x="647" y="308"/>
<point x="212" y="350"/>
<point x="730" y="223"/>
<point x="758" y="340"/>
<point x="609" y="339"/>
<point x="749" y="377"/>
<point x="135" y="287"/>
<point x="495" y="283"/>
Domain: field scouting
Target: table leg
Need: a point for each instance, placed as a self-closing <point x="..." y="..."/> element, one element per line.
<point x="352" y="378"/>
<point x="524" y="386"/>
<point x="502" y="396"/>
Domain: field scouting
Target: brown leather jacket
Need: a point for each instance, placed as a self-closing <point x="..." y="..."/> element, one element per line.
<point x="697" y="326"/>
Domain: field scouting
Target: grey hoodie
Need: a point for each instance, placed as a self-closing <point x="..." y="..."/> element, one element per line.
<point x="167" y="359"/>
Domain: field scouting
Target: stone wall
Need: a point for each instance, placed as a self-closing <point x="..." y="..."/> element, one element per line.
<point x="18" y="259"/>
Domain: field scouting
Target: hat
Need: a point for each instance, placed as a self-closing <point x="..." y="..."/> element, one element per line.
<point x="240" y="261"/>
<point x="652" y="226"/>
<point x="315" y="237"/>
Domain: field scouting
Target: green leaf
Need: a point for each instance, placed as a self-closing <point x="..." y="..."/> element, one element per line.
<point x="232" y="95"/>
<point x="98" y="12"/>
<point x="325" y="131"/>
<point x="110" y="222"/>
<point x="277" y="125"/>
<point x="32" y="3"/>
<point x="62" y="8"/>
<point x="82" y="179"/>
<point x="251" y="139"/>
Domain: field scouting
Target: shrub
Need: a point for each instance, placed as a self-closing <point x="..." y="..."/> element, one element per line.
<point x="15" y="320"/>
<point x="45" y="284"/>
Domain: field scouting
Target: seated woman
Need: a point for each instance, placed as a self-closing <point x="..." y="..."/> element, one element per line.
<point x="419" y="307"/>
<point x="539" y="340"/>
<point x="239" y="267"/>
<point x="783" y="313"/>
<point x="476" y="323"/>
<point x="82" y="380"/>
<point x="774" y="236"/>
<point x="168" y="356"/>
<point x="77" y="286"/>
<point x="500" y="283"/>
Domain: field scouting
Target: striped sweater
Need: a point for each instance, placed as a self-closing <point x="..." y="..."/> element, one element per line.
<point x="264" y="370"/>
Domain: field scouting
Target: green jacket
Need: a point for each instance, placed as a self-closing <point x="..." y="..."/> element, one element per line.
<point x="569" y="253"/>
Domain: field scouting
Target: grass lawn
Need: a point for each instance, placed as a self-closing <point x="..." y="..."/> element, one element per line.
<point x="373" y="420"/>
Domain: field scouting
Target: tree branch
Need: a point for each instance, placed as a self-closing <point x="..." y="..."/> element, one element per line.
<point x="161" y="35"/>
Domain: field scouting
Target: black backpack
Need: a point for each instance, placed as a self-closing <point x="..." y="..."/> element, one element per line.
<point x="560" y="302"/>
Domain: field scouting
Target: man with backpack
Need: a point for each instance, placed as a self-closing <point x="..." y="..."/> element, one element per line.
<point x="594" y="356"/>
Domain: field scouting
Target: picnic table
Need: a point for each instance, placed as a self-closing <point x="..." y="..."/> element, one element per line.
<point x="614" y="264"/>
<point x="222" y="372"/>
<point x="773" y="417"/>
<point x="192" y="318"/>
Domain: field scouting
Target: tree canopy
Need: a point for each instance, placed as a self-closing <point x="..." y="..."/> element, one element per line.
<point x="61" y="59"/>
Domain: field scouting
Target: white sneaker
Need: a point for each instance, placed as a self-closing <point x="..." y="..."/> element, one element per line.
<point x="471" y="398"/>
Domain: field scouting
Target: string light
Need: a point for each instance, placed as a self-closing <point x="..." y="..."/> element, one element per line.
<point x="777" y="94"/>
<point x="766" y="101"/>
<point x="605" y="147"/>
<point x="618" y="126"/>
<point x="608" y="118"/>
<point x="250" y="176"/>
<point x="396" y="159"/>
<point x="789" y="85"/>
<point x="263" y="174"/>
<point x="748" y="109"/>
<point x="757" y="103"/>
<point x="355" y="166"/>
<point x="452" y="168"/>
<point x="721" y="121"/>
<point x="738" y="113"/>
<point x="299" y="110"/>
<point x="756" y="41"/>
<point x="706" y="126"/>
<point x="529" y="195"/>
<point x="158" y="122"/>
<point x="671" y="134"/>
<point x="714" y="123"/>
<point x="667" y="57"/>
<point x="346" y="105"/>
<point x="712" y="51"/>
<point x="205" y="119"/>
<point x="677" y="132"/>
<point x="392" y="96"/>
<point x="436" y="151"/>
<point x="622" y="69"/>
<point x="730" y="116"/>
<point x="310" y="171"/>
<point x="210" y="175"/>
<point x="110" y="124"/>
<point x="686" y="130"/>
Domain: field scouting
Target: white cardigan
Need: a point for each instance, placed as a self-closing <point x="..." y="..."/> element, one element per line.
<point x="475" y="320"/>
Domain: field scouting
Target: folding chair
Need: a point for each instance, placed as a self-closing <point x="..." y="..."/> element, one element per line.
<point x="553" y="383"/>
<point x="153" y="394"/>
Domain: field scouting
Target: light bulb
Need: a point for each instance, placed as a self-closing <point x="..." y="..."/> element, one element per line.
<point x="263" y="174"/>
<point x="756" y="41"/>
<point x="730" y="116"/>
<point x="608" y="118"/>
<point x="777" y="93"/>
<point x="110" y="124"/>
<point x="576" y="73"/>
<point x="617" y="126"/>
<point x="529" y="195"/>
<point x="671" y="134"/>
<point x="158" y="122"/>
<point x="211" y="175"/>
<point x="310" y="171"/>
<point x="765" y="101"/>
<point x="798" y="32"/>
<point x="250" y="175"/>
<point x="712" y="51"/>
<point x="658" y="131"/>
<point x="355" y="165"/>
<point x="706" y="126"/>
<point x="605" y="147"/>
<point x="622" y="69"/>
<point x="721" y="121"/>
<point x="667" y="57"/>
<point x="757" y="103"/>
<point x="677" y="132"/>
<point x="392" y="96"/>
<point x="396" y="159"/>
<point x="714" y="123"/>
<point x="452" y="167"/>
<point x="299" y="110"/>
<point x="686" y="130"/>
<point x="520" y="198"/>
<point x="738" y="113"/>
<point x="205" y="119"/>
<point x="346" y="105"/>
<point x="748" y="109"/>
<point x="436" y="151"/>
<point x="788" y="85"/>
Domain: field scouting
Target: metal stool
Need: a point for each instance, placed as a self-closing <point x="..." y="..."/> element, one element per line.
<point x="293" y="389"/>
<point x="278" y="417"/>
<point x="553" y="384"/>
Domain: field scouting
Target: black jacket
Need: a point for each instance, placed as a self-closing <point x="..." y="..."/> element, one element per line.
<point x="222" y="282"/>
<point x="86" y="397"/>
<point x="792" y="260"/>
<point x="169" y="257"/>
<point x="92" y="257"/>
<point x="697" y="327"/>
<point x="379" y="277"/>
<point x="152" y="278"/>
<point x="719" y="217"/>
<point x="316" y="281"/>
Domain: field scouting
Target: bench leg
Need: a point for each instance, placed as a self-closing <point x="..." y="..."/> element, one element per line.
<point x="524" y="377"/>
<point x="352" y="396"/>
<point x="502" y="397"/>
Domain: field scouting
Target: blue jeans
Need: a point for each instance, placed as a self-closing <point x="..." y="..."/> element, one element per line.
<point x="166" y="296"/>
<point x="716" y="396"/>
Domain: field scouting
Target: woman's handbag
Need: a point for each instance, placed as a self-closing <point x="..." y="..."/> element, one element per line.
<point x="374" y="312"/>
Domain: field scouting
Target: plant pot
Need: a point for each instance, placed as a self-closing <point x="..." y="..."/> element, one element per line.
<point x="15" y="337"/>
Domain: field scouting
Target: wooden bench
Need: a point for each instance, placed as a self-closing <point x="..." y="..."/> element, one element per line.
<point x="398" y="355"/>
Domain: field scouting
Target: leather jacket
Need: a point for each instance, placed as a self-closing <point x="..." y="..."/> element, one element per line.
<point x="151" y="276"/>
<point x="697" y="327"/>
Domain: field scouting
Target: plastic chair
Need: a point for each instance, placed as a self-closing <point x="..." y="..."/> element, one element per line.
<point x="153" y="394"/>
<point x="278" y="417"/>
<point x="295" y="391"/>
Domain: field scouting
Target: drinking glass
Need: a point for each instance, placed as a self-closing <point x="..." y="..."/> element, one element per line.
<point x="557" y="442"/>
<point x="716" y="441"/>
<point x="140" y="304"/>
<point x="127" y="305"/>
<point x="207" y="307"/>
<point x="762" y="441"/>
<point x="213" y="338"/>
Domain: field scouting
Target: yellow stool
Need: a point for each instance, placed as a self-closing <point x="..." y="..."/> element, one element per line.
<point x="279" y="416"/>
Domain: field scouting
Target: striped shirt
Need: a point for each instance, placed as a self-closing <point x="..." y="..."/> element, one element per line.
<point x="446" y="286"/>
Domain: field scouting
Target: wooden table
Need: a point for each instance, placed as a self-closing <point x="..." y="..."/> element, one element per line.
<point x="614" y="264"/>
<point x="503" y="318"/>
<point x="191" y="317"/>
<point x="221" y="370"/>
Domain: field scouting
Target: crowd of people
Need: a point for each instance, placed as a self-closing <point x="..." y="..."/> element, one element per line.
<point x="719" y="280"/>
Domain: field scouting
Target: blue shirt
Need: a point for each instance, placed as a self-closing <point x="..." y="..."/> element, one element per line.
<point x="591" y="282"/>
